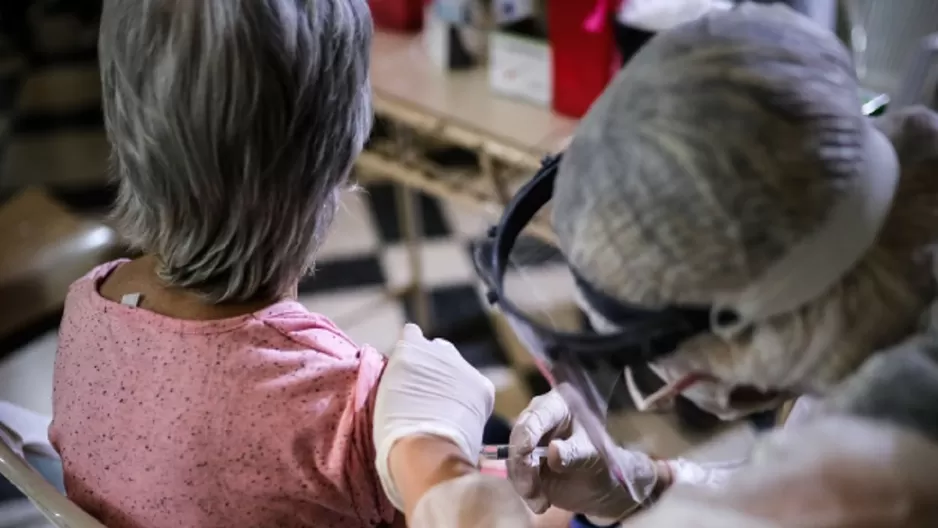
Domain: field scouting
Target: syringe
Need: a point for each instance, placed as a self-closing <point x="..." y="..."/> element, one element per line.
<point x="502" y="452"/>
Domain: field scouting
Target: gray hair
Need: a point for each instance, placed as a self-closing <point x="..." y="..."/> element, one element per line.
<point x="233" y="125"/>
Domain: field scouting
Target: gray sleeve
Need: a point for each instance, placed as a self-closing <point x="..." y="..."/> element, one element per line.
<point x="898" y="385"/>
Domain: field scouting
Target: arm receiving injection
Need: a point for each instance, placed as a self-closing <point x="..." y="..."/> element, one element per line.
<point x="430" y="412"/>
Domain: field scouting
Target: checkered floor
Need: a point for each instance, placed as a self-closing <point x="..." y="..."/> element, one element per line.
<point x="365" y="256"/>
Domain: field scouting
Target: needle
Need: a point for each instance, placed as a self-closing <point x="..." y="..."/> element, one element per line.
<point x="503" y="451"/>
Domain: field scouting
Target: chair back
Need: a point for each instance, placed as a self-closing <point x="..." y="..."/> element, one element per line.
<point x="53" y="505"/>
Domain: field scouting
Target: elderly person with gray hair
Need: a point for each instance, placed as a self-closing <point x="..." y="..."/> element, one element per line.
<point x="191" y="388"/>
<point x="737" y="226"/>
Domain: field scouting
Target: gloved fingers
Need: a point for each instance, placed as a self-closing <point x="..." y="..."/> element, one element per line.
<point x="443" y="343"/>
<point x="412" y="332"/>
<point x="442" y="351"/>
<point x="545" y="418"/>
<point x="489" y="388"/>
<point x="411" y="335"/>
<point x="572" y="454"/>
<point x="525" y="475"/>
<point x="413" y="341"/>
<point x="412" y="338"/>
<point x="439" y="357"/>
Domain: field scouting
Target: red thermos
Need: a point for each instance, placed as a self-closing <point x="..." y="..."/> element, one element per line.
<point x="398" y="15"/>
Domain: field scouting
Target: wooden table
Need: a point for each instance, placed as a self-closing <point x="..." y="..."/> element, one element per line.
<point x="427" y="104"/>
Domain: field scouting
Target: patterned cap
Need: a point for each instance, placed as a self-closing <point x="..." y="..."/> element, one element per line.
<point x="723" y="143"/>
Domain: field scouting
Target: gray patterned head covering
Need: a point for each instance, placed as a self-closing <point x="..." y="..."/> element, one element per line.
<point x="720" y="156"/>
<point x="721" y="144"/>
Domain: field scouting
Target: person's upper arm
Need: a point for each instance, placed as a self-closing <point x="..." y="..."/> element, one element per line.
<point x="362" y="452"/>
<point x="345" y="446"/>
<point x="326" y="414"/>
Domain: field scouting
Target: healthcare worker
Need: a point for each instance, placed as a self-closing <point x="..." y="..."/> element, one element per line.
<point x="727" y="198"/>
<point x="736" y="226"/>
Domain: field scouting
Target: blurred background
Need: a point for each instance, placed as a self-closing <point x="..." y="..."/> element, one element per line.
<point x="469" y="95"/>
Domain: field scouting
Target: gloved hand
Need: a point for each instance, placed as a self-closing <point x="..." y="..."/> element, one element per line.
<point x="428" y="389"/>
<point x="575" y="478"/>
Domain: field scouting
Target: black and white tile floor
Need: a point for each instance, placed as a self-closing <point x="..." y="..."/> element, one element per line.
<point x="365" y="256"/>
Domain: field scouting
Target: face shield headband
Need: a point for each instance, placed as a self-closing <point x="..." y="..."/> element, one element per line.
<point x="644" y="334"/>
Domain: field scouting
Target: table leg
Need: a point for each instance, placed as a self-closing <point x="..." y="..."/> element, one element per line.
<point x="410" y="223"/>
<point x="492" y="173"/>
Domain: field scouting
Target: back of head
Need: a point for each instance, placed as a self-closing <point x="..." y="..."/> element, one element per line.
<point x="722" y="146"/>
<point x="233" y="124"/>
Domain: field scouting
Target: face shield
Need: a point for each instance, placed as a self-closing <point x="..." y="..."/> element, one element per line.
<point x="731" y="227"/>
<point x="587" y="366"/>
<point x="594" y="370"/>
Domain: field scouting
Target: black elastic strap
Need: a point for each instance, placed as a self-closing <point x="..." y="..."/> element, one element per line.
<point x="623" y="313"/>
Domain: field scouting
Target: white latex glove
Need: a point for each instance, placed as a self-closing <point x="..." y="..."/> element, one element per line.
<point x="472" y="501"/>
<point x="574" y="478"/>
<point x="428" y="389"/>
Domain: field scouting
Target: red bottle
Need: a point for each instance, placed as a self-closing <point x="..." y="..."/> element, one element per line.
<point x="398" y="15"/>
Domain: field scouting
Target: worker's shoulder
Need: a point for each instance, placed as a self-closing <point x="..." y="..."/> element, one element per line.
<point x="898" y="385"/>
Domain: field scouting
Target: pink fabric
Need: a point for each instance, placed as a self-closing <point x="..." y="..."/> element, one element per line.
<point x="496" y="468"/>
<point x="598" y="18"/>
<point x="601" y="13"/>
<point x="260" y="420"/>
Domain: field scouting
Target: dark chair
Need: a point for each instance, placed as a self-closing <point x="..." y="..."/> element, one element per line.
<point x="43" y="249"/>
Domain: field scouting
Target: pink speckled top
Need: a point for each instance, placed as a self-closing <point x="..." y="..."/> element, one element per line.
<point x="261" y="420"/>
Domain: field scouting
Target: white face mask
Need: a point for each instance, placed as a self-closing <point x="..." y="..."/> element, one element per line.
<point x="714" y="397"/>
